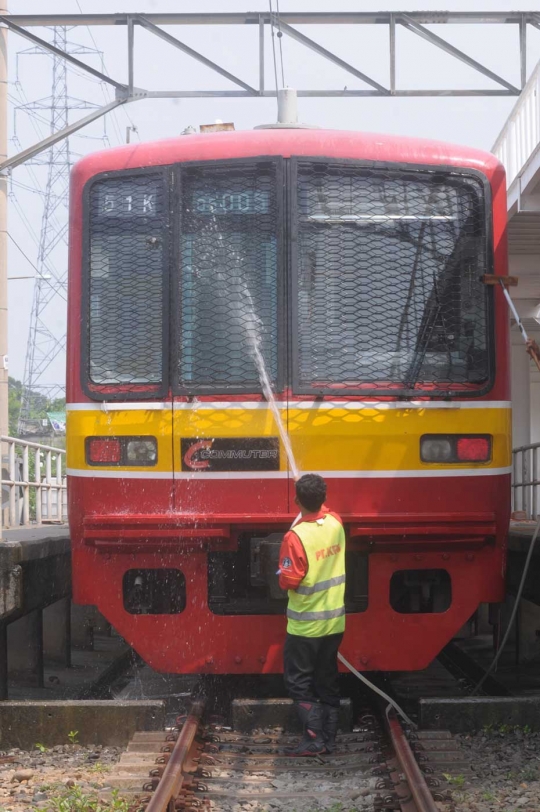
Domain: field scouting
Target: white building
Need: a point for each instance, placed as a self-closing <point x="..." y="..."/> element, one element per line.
<point x="518" y="147"/>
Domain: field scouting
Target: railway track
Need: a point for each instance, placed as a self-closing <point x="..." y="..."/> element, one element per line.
<point x="203" y="765"/>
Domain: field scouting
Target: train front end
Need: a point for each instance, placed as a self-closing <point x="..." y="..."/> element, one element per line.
<point x="345" y="271"/>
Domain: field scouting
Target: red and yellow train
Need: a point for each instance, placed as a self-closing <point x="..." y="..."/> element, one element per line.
<point x="354" y="262"/>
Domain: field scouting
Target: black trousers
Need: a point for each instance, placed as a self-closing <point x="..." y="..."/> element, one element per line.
<point x="311" y="668"/>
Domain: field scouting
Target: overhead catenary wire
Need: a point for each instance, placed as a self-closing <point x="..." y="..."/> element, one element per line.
<point x="34" y="266"/>
<point x="273" y="44"/>
<point x="280" y="38"/>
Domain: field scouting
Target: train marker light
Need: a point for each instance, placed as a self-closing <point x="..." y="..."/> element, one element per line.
<point x="473" y="449"/>
<point x="121" y="450"/>
<point x="445" y="448"/>
<point x="103" y="451"/>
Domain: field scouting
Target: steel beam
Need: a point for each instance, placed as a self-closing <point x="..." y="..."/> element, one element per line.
<point x="316" y="94"/>
<point x="290" y="18"/>
<point x="534" y="19"/>
<point x="392" y="44"/>
<point x="131" y="56"/>
<point x="314" y="46"/>
<point x="154" y="29"/>
<point x="48" y="46"/>
<point x="408" y="22"/>
<point x="523" y="51"/>
<point x="261" y="54"/>
<point x="413" y="21"/>
<point x="23" y="156"/>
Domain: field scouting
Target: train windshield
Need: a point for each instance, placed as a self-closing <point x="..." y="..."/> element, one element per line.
<point x="228" y="285"/>
<point x="367" y="281"/>
<point x="126" y="281"/>
<point x="388" y="279"/>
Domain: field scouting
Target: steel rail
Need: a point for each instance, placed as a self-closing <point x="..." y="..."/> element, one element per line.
<point x="409" y="766"/>
<point x="172" y="779"/>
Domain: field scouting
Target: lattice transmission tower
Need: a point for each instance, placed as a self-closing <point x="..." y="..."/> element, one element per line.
<point x="46" y="337"/>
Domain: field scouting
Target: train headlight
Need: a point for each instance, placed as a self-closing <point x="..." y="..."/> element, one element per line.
<point x="141" y="451"/>
<point x="455" y="448"/>
<point x="121" y="450"/>
<point x="435" y="449"/>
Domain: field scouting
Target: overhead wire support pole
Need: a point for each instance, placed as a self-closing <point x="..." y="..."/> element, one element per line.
<point x="131" y="56"/>
<point x="392" y="44"/>
<point x="261" y="55"/>
<point x="523" y="50"/>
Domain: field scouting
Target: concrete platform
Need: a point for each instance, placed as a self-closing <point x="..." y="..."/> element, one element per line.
<point x="23" y="543"/>
<point x="22" y="724"/>
<point x="248" y="714"/>
<point x="74" y="680"/>
<point x="520" y="535"/>
<point x="38" y="624"/>
<point x="35" y="569"/>
<point x="467" y="714"/>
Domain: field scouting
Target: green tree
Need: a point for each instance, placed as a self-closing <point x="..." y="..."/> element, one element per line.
<point x="39" y="405"/>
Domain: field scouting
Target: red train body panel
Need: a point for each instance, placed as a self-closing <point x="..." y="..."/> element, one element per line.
<point x="444" y="524"/>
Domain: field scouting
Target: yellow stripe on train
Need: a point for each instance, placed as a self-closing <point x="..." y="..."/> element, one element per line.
<point x="338" y="438"/>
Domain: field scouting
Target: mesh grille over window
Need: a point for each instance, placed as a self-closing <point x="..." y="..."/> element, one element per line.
<point x="386" y="263"/>
<point x="387" y="280"/>
<point x="126" y="256"/>
<point x="229" y="276"/>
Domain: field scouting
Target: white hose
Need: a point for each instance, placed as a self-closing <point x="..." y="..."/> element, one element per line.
<point x="390" y="701"/>
<point x="514" y="611"/>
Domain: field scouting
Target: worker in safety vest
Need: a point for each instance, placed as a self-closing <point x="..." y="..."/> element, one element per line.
<point x="312" y="569"/>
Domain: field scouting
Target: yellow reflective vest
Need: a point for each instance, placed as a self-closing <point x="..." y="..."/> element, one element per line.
<point x="317" y="607"/>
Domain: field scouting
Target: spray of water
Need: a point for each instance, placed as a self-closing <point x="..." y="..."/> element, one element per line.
<point x="219" y="254"/>
<point x="252" y="327"/>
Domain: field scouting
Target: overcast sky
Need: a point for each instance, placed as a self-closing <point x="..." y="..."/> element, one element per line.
<point x="472" y="121"/>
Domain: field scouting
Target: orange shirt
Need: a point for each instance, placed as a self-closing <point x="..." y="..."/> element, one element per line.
<point x="293" y="563"/>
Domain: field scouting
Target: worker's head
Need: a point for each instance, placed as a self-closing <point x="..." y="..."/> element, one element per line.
<point x="310" y="492"/>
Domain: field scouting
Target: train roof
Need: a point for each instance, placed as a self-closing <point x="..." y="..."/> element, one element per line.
<point x="337" y="144"/>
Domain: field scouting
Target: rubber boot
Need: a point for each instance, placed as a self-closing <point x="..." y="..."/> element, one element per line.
<point x="312" y="742"/>
<point x="330" y="727"/>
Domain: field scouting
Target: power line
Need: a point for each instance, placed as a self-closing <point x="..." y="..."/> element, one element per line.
<point x="27" y="258"/>
<point x="280" y="38"/>
<point x="273" y="42"/>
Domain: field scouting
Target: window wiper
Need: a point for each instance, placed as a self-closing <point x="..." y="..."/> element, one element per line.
<point x="429" y="322"/>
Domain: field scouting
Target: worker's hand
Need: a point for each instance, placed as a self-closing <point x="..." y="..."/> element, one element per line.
<point x="532" y="348"/>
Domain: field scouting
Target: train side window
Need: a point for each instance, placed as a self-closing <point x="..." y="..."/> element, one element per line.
<point x="154" y="591"/>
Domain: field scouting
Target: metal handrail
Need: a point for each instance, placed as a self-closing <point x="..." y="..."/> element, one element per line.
<point x="520" y="137"/>
<point x="526" y="479"/>
<point x="25" y="460"/>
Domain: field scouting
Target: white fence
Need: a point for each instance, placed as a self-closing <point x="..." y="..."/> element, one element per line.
<point x="526" y="479"/>
<point x="35" y="488"/>
<point x="520" y="136"/>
